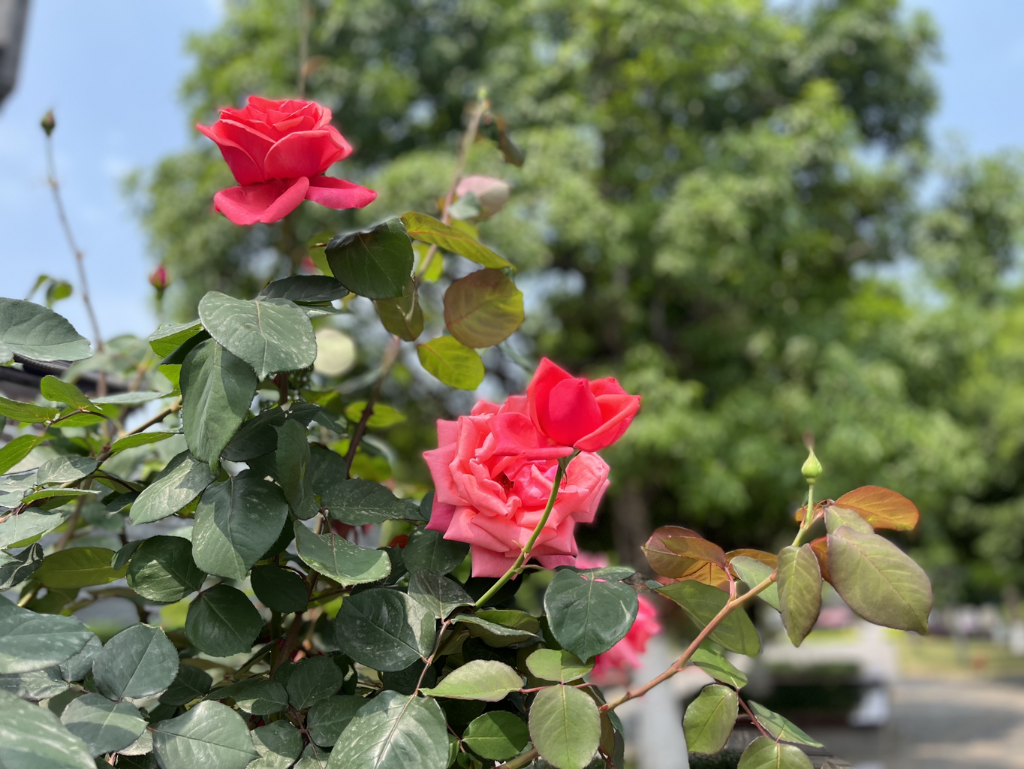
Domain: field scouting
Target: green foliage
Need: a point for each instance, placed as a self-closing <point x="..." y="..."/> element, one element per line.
<point x="709" y="719"/>
<point x="588" y="616"/>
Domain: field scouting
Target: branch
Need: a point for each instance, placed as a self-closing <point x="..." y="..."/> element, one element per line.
<point x="390" y="356"/>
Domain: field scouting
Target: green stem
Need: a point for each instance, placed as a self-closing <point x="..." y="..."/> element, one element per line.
<point x="517" y="567"/>
<point x="805" y="524"/>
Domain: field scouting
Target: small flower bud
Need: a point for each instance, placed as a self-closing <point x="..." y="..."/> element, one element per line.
<point x="158" y="278"/>
<point x="48" y="123"/>
<point x="812" y="469"/>
<point x="491" y="193"/>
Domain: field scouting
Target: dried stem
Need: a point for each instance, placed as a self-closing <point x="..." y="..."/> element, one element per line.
<point x="390" y="356"/>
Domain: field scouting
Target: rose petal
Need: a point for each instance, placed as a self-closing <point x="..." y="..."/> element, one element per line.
<point x="266" y="202"/>
<point x="337" y="193"/>
<point x="571" y="412"/>
<point x="302" y="153"/>
<point x="487" y="563"/>
<point x="243" y="150"/>
<point x="617" y="412"/>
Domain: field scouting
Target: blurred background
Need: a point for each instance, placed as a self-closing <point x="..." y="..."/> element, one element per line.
<point x="768" y="218"/>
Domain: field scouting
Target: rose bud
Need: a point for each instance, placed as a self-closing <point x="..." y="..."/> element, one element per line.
<point x="48" y="123"/>
<point x="158" y="278"/>
<point x="492" y="194"/>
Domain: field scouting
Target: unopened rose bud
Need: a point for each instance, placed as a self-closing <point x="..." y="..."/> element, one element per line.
<point x="491" y="193"/>
<point x="158" y="278"/>
<point x="812" y="469"/>
<point x="48" y="123"/>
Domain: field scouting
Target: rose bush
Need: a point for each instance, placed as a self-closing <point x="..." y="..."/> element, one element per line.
<point x="301" y="608"/>
<point x="278" y="152"/>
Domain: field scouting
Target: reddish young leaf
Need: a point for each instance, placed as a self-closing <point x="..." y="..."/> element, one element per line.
<point x="768" y="559"/>
<point x="820" y="548"/>
<point x="708" y="573"/>
<point x="882" y="508"/>
<point x="675" y="552"/>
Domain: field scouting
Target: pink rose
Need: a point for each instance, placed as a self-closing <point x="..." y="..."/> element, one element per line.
<point x="625" y="655"/>
<point x="493" y="472"/>
<point x="278" y="152"/>
<point x="576" y="412"/>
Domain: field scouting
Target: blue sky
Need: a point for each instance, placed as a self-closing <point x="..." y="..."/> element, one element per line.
<point x="110" y="69"/>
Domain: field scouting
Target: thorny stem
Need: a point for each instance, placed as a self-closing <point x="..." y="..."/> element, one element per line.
<point x="517" y="567"/>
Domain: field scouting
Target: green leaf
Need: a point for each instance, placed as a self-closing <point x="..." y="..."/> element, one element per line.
<point x="190" y="684"/>
<point x="221" y="621"/>
<point x="15" y="569"/>
<point x="131" y="398"/>
<point x="764" y="753"/>
<point x="279" y="589"/>
<point x="256" y="696"/>
<point x="384" y="629"/>
<point x="35" y="332"/>
<point x="375" y="263"/>
<point x="327" y="719"/>
<point x="557" y="665"/>
<point x="257" y="437"/>
<point x="358" y="502"/>
<point x="719" y="668"/>
<point x="402" y="315"/>
<point x="78" y="567"/>
<point x="104" y="726"/>
<point x="312" y="758"/>
<point x="497" y="634"/>
<point x="339" y="559"/>
<point x="452" y="363"/>
<point x="30" y="641"/>
<point x="393" y="731"/>
<point x="279" y="745"/>
<point x="26" y="413"/>
<point x="485" y="680"/>
<point x="137" y="662"/>
<point x="586" y="616"/>
<point x="709" y="719"/>
<point x="54" y="389"/>
<point x="383" y="415"/>
<point x="427" y="229"/>
<point x="31" y="737"/>
<point x="180" y="482"/>
<point x="140" y="439"/>
<point x="309" y="289"/>
<point x="78" y="666"/>
<point x="163" y="570"/>
<point x="781" y="728"/>
<point x="483" y="309"/>
<point x="17" y="450"/>
<point x="61" y="493"/>
<point x="209" y="735"/>
<point x="799" y="591"/>
<point x="840" y="516"/>
<point x="565" y="726"/>
<point x="702" y="603"/>
<point x="269" y="334"/>
<point x="294" y="471"/>
<point x="752" y="573"/>
<point x="65" y="469"/>
<point x="878" y="580"/>
<point x="236" y="521"/>
<point x="30" y="523"/>
<point x="217" y="389"/>
<point x="313" y="680"/>
<point x="167" y="339"/>
<point x="497" y="736"/>
<point x="430" y="550"/>
<point x="437" y="593"/>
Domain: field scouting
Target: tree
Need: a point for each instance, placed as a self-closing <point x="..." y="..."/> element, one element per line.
<point x="727" y="190"/>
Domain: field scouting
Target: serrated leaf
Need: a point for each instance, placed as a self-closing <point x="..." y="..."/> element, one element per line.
<point x="752" y="573"/>
<point x="30" y="641"/>
<point x="799" y="583"/>
<point x="437" y="593"/>
<point x="337" y="558"/>
<point x="269" y="334"/>
<point x="294" y="469"/>
<point x="256" y="696"/>
<point x="764" y="753"/>
<point x="393" y="731"/>
<point x="709" y="719"/>
<point x="327" y="719"/>
<point x="104" y="726"/>
<point x="78" y="666"/>
<point x="452" y="363"/>
<point x="141" y="439"/>
<point x="430" y="550"/>
<point x="375" y="263"/>
<point x="279" y="745"/>
<point x="30" y="523"/>
<point x="313" y="680"/>
<point x="137" y="662"/>
<point x="31" y="737"/>
<point x="557" y="665"/>
<point x="38" y="333"/>
<point x="167" y="339"/>
<point x="402" y="315"/>
<point x="357" y="502"/>
<point x="836" y="516"/>
<point x="882" y="508"/>
<point x="15" y="569"/>
<point x="209" y="735"/>
<point x="485" y="680"/>
<point x="878" y="580"/>
<point x="702" y="603"/>
<point x="65" y="469"/>
<point x="309" y="289"/>
<point x="483" y="309"/>
<point x="35" y="686"/>
<point x="565" y="726"/>
<point x="217" y="389"/>
<point x="78" y="567"/>
<point x="163" y="570"/>
<point x="181" y="481"/>
<point x="781" y="728"/>
<point x="279" y="589"/>
<point x="586" y="616"/>
<point x="515" y="626"/>
<point x="190" y="684"/>
<point x="719" y="668"/>
<point x="221" y="621"/>
<point x="384" y="629"/>
<point x="427" y="229"/>
<point x="236" y="521"/>
<point x="497" y="736"/>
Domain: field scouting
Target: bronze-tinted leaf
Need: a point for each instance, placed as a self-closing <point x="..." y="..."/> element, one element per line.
<point x="882" y="508"/>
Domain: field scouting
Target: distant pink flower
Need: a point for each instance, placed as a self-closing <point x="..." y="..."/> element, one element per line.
<point x="493" y="472"/>
<point x="278" y="152"/>
<point x="158" y="278"/>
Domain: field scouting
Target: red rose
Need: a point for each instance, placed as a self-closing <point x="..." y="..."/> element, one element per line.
<point x="572" y="411"/>
<point x="278" y="152"/>
<point x="493" y="471"/>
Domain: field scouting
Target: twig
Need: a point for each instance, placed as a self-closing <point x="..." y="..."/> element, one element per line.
<point x="305" y="22"/>
<point x="390" y="356"/>
<point x="754" y="720"/>
<point x="104" y="455"/>
<point x="72" y="522"/>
